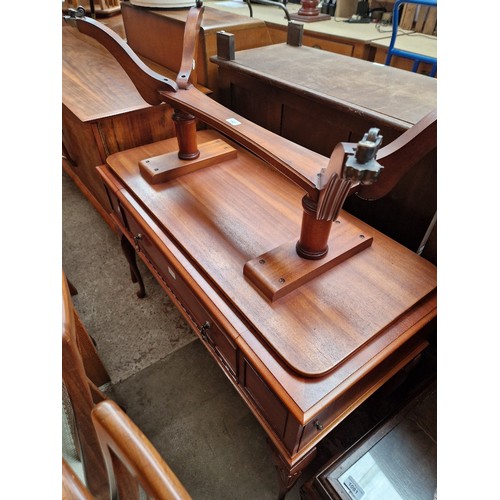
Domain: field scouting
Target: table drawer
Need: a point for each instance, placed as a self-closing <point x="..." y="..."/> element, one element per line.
<point x="211" y="334"/>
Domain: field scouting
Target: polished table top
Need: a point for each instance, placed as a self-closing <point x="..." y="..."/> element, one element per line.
<point x="225" y="215"/>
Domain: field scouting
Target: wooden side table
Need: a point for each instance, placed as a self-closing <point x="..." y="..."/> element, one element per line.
<point x="305" y="361"/>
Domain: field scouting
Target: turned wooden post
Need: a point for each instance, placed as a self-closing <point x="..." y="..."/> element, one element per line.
<point x="185" y="130"/>
<point x="314" y="234"/>
<point x="309" y="12"/>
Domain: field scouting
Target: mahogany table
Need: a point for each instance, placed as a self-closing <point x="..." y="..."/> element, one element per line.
<point x="305" y="361"/>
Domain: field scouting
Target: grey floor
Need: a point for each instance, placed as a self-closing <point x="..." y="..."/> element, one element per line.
<point x="166" y="380"/>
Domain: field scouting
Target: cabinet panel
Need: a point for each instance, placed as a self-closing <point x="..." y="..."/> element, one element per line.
<point x="266" y="401"/>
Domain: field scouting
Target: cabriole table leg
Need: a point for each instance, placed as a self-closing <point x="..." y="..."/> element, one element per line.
<point x="287" y="475"/>
<point x="130" y="255"/>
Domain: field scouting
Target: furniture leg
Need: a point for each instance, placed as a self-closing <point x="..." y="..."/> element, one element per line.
<point x="129" y="252"/>
<point x="288" y="475"/>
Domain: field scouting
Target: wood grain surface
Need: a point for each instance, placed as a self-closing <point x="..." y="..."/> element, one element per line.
<point x="224" y="215"/>
<point x="387" y="94"/>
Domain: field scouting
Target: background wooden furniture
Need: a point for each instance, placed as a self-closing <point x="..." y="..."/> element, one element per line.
<point x="158" y="35"/>
<point x="132" y="463"/>
<point x="409" y="41"/>
<point x="72" y="486"/>
<point x="334" y="35"/>
<point x="338" y="99"/>
<point x="101" y="8"/>
<point x="102" y="113"/>
<point x="83" y="393"/>
<point x="399" y="455"/>
<point x="412" y="44"/>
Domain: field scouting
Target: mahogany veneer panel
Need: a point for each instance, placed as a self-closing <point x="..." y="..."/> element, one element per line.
<point x="224" y="215"/>
<point x="102" y="113"/>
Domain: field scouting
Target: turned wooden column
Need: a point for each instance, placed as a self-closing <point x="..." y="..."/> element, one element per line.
<point x="314" y="234"/>
<point x="309" y="12"/>
<point x="185" y="130"/>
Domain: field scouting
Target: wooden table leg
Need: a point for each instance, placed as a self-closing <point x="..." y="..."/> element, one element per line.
<point x="130" y="255"/>
<point x="287" y="475"/>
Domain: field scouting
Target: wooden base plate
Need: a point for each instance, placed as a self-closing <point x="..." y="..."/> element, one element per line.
<point x="280" y="271"/>
<point x="166" y="167"/>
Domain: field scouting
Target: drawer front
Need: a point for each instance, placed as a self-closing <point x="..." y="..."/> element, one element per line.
<point x="266" y="401"/>
<point x="210" y="332"/>
<point x="115" y="204"/>
<point x="316" y="426"/>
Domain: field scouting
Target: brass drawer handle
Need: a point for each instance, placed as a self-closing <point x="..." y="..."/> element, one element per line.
<point x="318" y="425"/>
<point x="136" y="240"/>
<point x="203" y="330"/>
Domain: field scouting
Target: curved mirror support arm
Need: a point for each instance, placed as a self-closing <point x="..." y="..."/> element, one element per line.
<point x="187" y="73"/>
<point x="402" y="154"/>
<point x="147" y="81"/>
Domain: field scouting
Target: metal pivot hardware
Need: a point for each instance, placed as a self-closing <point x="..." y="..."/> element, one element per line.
<point x="362" y="167"/>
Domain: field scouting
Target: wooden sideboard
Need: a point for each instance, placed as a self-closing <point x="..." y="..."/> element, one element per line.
<point x="158" y="35"/>
<point x="318" y="99"/>
<point x="303" y="362"/>
<point x="102" y="113"/>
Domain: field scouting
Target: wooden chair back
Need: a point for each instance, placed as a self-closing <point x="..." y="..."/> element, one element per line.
<point x="83" y="393"/>
<point x="131" y="460"/>
<point x="72" y="486"/>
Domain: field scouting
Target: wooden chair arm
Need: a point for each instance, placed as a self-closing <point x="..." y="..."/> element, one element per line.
<point x="72" y="486"/>
<point x="116" y="432"/>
